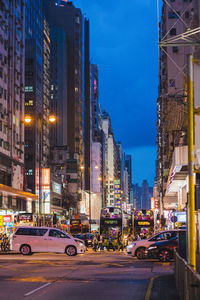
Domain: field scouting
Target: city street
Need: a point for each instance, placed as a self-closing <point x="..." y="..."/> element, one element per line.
<point x="96" y="276"/>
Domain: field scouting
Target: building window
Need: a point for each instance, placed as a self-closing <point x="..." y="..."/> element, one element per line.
<point x="173" y="15"/>
<point x="175" y="49"/>
<point x="52" y="88"/>
<point x="6" y="145"/>
<point x="28" y="89"/>
<point x="173" y="31"/>
<point x="172" y="83"/>
<point x="29" y="103"/>
<point x="29" y="172"/>
<point x="187" y="15"/>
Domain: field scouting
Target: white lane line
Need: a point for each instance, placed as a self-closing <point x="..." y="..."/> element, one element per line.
<point x="39" y="288"/>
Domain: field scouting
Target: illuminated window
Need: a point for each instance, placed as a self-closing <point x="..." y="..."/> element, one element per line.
<point x="29" y="172"/>
<point x="28" y="89"/>
<point x="29" y="103"/>
<point x="51" y="96"/>
<point x="52" y="87"/>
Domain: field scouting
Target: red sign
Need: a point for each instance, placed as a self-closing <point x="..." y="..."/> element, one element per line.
<point x="7" y="219"/>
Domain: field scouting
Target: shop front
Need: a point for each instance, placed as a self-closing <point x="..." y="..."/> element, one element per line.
<point x="15" y="208"/>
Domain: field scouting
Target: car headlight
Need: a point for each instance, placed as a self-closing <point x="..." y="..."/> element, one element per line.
<point x="152" y="247"/>
<point x="131" y="246"/>
<point x="80" y="243"/>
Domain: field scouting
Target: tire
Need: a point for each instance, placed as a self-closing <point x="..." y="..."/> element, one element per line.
<point x="140" y="253"/>
<point x="164" y="255"/>
<point x="25" y="249"/>
<point x="71" y="251"/>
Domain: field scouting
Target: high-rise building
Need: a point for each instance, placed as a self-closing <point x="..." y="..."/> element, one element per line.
<point x="66" y="31"/>
<point x="67" y="17"/>
<point x="87" y="109"/>
<point x="37" y="85"/>
<point x="145" y="195"/>
<point x="111" y="158"/>
<point x="128" y="164"/>
<point x="12" y="41"/>
<point x="177" y="18"/>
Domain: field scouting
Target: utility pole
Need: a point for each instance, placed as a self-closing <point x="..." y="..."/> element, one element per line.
<point x="191" y="196"/>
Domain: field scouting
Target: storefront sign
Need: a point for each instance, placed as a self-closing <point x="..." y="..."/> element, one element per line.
<point x="56" y="187"/>
<point x="144" y="223"/>
<point x="46" y="190"/>
<point x="25" y="217"/>
<point x="117" y="193"/>
<point x="17" y="177"/>
<point x="9" y="224"/>
<point x="1" y="221"/>
<point x="45" y="177"/>
<point x="7" y="219"/>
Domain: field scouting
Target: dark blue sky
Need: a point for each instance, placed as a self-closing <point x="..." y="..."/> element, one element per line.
<point x="123" y="40"/>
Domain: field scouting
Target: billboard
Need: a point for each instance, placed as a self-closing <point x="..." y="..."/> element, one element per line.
<point x="46" y="208"/>
<point x="117" y="193"/>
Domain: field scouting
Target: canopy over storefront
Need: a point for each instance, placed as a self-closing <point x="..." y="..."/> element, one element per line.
<point x="9" y="191"/>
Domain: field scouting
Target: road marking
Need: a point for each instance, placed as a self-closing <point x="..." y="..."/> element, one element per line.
<point x="39" y="288"/>
<point x="30" y="279"/>
<point x="148" y="294"/>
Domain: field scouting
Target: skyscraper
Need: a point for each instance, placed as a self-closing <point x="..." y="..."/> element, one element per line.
<point x="12" y="41"/>
<point x="37" y="61"/>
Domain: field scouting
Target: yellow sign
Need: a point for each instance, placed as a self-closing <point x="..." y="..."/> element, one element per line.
<point x="143" y="223"/>
<point x="1" y="221"/>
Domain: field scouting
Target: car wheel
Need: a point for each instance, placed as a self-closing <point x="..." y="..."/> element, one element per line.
<point x="71" y="251"/>
<point x="25" y="250"/>
<point x="164" y="255"/>
<point x="140" y="253"/>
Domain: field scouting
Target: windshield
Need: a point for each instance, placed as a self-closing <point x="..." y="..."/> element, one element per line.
<point x="110" y="230"/>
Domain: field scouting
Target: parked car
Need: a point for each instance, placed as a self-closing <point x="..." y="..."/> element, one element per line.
<point x="28" y="240"/>
<point x="84" y="236"/>
<point x="137" y="248"/>
<point x="164" y="251"/>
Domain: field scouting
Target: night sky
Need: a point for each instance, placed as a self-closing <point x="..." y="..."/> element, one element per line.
<point x="123" y="41"/>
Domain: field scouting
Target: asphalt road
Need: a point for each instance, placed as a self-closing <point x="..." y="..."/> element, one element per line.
<point x="89" y="276"/>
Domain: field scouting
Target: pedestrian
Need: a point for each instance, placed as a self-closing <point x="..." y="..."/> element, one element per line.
<point x="100" y="242"/>
<point x="119" y="241"/>
<point x="95" y="243"/>
<point x="86" y="243"/>
<point x="110" y="244"/>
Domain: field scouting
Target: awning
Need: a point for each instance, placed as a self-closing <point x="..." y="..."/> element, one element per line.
<point x="178" y="172"/>
<point x="8" y="190"/>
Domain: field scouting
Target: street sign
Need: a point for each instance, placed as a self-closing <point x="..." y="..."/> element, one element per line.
<point x="174" y="219"/>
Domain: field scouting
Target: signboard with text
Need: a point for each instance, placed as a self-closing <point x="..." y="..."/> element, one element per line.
<point x="117" y="193"/>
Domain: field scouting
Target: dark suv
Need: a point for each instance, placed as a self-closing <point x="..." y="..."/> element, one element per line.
<point x="164" y="250"/>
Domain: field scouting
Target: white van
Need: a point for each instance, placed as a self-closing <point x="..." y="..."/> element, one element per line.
<point x="28" y="240"/>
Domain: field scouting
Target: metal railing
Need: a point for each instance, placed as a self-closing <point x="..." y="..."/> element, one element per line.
<point x="187" y="280"/>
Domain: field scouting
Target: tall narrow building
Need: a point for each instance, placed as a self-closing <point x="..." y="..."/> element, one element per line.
<point x="12" y="41"/>
<point x="37" y="96"/>
<point x="66" y="31"/>
<point x="177" y="18"/>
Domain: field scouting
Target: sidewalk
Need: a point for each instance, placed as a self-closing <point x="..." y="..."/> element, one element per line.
<point x="164" y="288"/>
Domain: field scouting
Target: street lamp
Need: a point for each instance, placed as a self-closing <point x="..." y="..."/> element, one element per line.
<point x="28" y="120"/>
